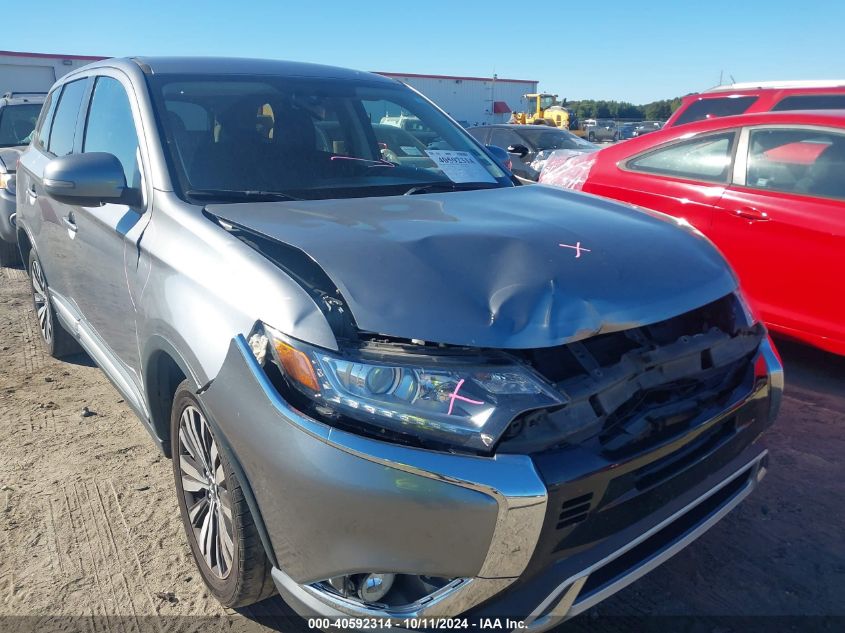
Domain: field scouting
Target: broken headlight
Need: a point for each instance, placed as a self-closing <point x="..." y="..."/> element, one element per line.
<point x="458" y="401"/>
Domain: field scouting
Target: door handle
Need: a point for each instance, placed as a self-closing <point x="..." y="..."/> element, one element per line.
<point x="751" y="214"/>
<point x="70" y="222"/>
<point x="31" y="192"/>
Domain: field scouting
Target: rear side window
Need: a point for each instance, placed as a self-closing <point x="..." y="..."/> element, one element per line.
<point x="64" y="123"/>
<point x="715" y="107"/>
<point x="42" y="129"/>
<point x="806" y="162"/>
<point x="111" y="128"/>
<point x="505" y="138"/>
<point x="479" y="134"/>
<point x="811" y="102"/>
<point x="705" y="158"/>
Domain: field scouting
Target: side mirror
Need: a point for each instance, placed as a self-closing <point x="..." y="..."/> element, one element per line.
<point x="87" y="180"/>
<point x="501" y="156"/>
<point x="519" y="150"/>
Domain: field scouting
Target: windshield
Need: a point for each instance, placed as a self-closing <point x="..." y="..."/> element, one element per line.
<point x="556" y="139"/>
<point x="17" y="123"/>
<point x="313" y="138"/>
<point x="547" y="101"/>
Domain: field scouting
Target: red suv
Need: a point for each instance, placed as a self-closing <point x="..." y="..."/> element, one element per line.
<point x="768" y="189"/>
<point x="765" y="96"/>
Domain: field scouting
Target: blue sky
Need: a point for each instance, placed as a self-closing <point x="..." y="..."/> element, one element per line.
<point x="632" y="51"/>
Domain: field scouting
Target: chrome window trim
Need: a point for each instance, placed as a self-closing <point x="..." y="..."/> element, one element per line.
<point x="741" y="158"/>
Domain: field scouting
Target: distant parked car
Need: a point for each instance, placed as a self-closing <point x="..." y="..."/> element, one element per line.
<point x="602" y="130"/>
<point x="412" y="124"/>
<point x="530" y="145"/>
<point x="767" y="188"/>
<point x="626" y="130"/>
<point x="646" y="127"/>
<point x="18" y="115"/>
<point x="761" y="96"/>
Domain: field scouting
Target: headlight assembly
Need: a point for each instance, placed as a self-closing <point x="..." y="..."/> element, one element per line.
<point x="460" y="401"/>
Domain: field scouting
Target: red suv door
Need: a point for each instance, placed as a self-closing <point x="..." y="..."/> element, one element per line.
<point x="782" y="227"/>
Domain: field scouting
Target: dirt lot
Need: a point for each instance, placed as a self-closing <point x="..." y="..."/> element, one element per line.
<point x="90" y="538"/>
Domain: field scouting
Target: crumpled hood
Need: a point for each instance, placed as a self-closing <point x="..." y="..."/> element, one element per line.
<point x="486" y="268"/>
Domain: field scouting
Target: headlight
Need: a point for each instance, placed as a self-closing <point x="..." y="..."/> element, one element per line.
<point x="7" y="182"/>
<point x="461" y="401"/>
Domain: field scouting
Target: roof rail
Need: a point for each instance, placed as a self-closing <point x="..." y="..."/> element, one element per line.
<point x="14" y="94"/>
<point x="751" y="85"/>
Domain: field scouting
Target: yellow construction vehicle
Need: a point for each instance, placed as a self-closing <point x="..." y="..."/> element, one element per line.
<point x="545" y="112"/>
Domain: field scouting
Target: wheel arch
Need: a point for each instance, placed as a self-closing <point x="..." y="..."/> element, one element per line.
<point x="164" y="370"/>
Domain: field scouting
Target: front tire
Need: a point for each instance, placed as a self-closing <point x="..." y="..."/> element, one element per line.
<point x="221" y="533"/>
<point x="57" y="341"/>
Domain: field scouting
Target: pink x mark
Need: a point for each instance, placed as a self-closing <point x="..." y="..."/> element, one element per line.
<point x="578" y="249"/>
<point x="454" y="396"/>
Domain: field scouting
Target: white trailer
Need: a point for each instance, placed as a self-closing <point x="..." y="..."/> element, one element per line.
<point x="36" y="72"/>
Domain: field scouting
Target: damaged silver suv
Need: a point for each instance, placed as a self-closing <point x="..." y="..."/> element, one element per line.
<point x="393" y="383"/>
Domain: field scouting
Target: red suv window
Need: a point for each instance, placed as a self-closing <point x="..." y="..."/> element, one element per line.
<point x="811" y="102"/>
<point x="714" y="107"/>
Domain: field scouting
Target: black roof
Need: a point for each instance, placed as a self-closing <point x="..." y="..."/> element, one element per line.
<point x="518" y="126"/>
<point x="244" y="66"/>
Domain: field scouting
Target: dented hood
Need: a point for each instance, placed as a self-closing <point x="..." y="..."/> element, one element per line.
<point x="520" y="267"/>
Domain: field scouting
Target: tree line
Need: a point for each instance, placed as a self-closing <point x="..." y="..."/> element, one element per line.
<point x="592" y="109"/>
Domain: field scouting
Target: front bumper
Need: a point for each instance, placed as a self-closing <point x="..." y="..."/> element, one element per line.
<point x="335" y="503"/>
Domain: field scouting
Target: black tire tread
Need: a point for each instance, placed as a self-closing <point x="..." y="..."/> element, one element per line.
<point x="256" y="583"/>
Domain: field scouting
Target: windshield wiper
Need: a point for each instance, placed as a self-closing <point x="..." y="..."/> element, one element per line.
<point x="239" y="195"/>
<point x="450" y="186"/>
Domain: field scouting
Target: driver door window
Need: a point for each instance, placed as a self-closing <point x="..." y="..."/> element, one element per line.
<point x="800" y="161"/>
<point x="111" y="128"/>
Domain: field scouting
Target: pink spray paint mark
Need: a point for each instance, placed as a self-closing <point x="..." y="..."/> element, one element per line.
<point x="454" y="396"/>
<point x="578" y="249"/>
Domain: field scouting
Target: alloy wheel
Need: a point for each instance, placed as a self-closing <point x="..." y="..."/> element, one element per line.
<point x="42" y="302"/>
<point x="206" y="492"/>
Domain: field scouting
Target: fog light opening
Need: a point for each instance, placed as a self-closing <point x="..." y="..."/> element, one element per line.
<point x="384" y="589"/>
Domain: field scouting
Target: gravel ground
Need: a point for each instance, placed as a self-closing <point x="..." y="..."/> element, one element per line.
<point x="90" y="537"/>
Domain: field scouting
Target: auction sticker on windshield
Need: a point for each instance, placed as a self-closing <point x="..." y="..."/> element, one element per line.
<point x="460" y="166"/>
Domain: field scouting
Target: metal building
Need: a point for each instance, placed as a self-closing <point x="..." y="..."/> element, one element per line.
<point x="36" y="72"/>
<point x="472" y="100"/>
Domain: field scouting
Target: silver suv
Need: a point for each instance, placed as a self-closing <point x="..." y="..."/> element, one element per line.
<point x="393" y="384"/>
<point x="18" y="114"/>
<point x="602" y="130"/>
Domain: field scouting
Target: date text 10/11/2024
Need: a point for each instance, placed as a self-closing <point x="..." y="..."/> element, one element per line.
<point x="505" y="624"/>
